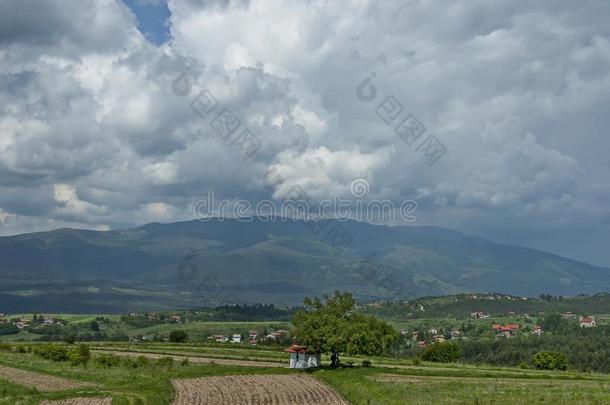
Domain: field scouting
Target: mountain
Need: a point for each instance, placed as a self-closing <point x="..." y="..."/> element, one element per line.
<point x="193" y="264"/>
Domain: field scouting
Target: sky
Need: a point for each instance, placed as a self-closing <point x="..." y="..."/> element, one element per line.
<point x="492" y="115"/>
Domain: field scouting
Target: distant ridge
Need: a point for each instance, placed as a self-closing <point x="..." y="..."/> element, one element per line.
<point x="188" y="264"/>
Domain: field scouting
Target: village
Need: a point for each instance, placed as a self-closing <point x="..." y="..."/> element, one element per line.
<point x="21" y="323"/>
<point x="435" y="334"/>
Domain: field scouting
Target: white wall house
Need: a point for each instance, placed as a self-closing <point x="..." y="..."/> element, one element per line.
<point x="299" y="358"/>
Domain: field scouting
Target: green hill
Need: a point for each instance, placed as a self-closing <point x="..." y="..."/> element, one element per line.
<point x="190" y="264"/>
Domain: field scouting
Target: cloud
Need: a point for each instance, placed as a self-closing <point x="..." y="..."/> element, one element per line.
<point x="91" y="131"/>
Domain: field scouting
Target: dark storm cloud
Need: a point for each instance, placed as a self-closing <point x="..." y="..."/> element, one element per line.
<point x="92" y="134"/>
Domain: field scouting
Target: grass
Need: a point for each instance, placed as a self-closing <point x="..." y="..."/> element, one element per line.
<point x="373" y="386"/>
<point x="424" y="384"/>
<point x="127" y="385"/>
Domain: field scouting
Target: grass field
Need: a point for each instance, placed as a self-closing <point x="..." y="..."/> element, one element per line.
<point x="388" y="382"/>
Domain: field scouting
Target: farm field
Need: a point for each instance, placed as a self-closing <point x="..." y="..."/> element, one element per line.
<point x="255" y="389"/>
<point x="155" y="380"/>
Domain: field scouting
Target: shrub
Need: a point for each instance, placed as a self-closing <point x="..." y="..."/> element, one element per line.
<point x="185" y="361"/>
<point x="550" y="361"/>
<point x="137" y="362"/>
<point x="80" y="355"/>
<point x="445" y="352"/>
<point x="70" y="339"/>
<point x="107" y="360"/>
<point x="366" y="363"/>
<point x="5" y="347"/>
<point x="164" y="362"/>
<point x="523" y="365"/>
<point x="52" y="352"/>
<point x="417" y="361"/>
<point x="178" y="336"/>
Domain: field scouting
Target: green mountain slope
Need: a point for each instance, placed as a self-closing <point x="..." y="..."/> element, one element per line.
<point x="190" y="264"/>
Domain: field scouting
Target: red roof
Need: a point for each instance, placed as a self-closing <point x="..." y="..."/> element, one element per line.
<point x="586" y="320"/>
<point x="296" y="349"/>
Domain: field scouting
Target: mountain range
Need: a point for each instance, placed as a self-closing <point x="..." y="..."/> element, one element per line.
<point x="194" y="264"/>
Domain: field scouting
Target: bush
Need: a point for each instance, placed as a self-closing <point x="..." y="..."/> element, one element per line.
<point x="523" y="365"/>
<point x="52" y="352"/>
<point x="185" y="361"/>
<point x="137" y="362"/>
<point x="5" y="347"/>
<point x="445" y="352"/>
<point x="178" y="336"/>
<point x="80" y="355"/>
<point x="164" y="362"/>
<point x="366" y="363"/>
<point x="417" y="361"/>
<point x="550" y="361"/>
<point x="107" y="360"/>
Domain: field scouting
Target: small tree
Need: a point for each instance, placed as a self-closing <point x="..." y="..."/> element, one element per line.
<point x="332" y="326"/>
<point x="80" y="355"/>
<point x="178" y="336"/>
<point x="95" y="326"/>
<point x="445" y="352"/>
<point x="550" y="361"/>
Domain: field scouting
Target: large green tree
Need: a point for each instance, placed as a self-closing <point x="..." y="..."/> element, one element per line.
<point x="332" y="325"/>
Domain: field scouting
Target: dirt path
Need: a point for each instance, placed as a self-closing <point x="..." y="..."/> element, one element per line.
<point x="80" y="401"/>
<point x="42" y="382"/>
<point x="197" y="359"/>
<point x="254" y="390"/>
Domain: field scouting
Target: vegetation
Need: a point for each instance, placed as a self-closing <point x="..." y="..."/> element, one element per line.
<point x="550" y="361"/>
<point x="136" y="379"/>
<point x="178" y="336"/>
<point x="445" y="352"/>
<point x="333" y="326"/>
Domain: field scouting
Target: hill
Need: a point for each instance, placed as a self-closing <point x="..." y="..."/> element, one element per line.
<point x="190" y="264"/>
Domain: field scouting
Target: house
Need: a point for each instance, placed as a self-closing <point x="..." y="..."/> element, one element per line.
<point x="252" y="342"/>
<point x="22" y="324"/>
<point x="438" y="338"/>
<point x="587" y="322"/>
<point x="301" y="358"/>
<point x="175" y="319"/>
<point x="455" y="334"/>
<point x="507" y="330"/>
<point x="278" y="334"/>
<point x="422" y="344"/>
<point x="236" y="338"/>
<point x="220" y="338"/>
<point x="253" y="334"/>
<point x="433" y="331"/>
<point x="537" y="330"/>
<point x="570" y="315"/>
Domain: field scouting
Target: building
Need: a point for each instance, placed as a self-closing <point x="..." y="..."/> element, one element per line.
<point x="508" y="330"/>
<point x="236" y="338"/>
<point x="587" y="322"/>
<point x="537" y="330"/>
<point x="301" y="358"/>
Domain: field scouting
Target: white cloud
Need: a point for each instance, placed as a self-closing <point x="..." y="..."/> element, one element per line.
<point x="518" y="93"/>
